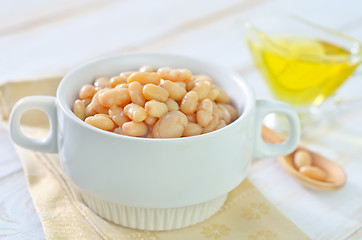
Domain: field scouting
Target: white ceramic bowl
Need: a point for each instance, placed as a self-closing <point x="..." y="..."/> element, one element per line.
<point x="154" y="184"/>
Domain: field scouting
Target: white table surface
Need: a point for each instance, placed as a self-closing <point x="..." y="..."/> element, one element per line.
<point x="43" y="38"/>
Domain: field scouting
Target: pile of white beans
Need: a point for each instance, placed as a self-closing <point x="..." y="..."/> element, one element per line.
<point x="303" y="162"/>
<point x="162" y="103"/>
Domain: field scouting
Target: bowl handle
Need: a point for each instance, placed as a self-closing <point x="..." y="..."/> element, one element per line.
<point x="263" y="149"/>
<point x="43" y="103"/>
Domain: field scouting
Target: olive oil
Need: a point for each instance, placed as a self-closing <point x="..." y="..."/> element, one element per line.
<point x="302" y="72"/>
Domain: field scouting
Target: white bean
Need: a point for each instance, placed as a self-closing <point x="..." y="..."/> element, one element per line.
<point x="189" y="102"/>
<point x="156" y="108"/>
<point x="170" y="125"/>
<point x="135" y="112"/>
<point x="192" y="129"/>
<point x="135" y="129"/>
<point x="204" y="112"/>
<point x="151" y="91"/>
<point x="79" y="109"/>
<point x="172" y="105"/>
<point x="100" y="121"/>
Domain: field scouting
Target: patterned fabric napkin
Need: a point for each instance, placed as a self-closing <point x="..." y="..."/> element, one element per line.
<point x="245" y="215"/>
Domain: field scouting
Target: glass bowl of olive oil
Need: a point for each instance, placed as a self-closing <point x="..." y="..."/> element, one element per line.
<point x="302" y="63"/>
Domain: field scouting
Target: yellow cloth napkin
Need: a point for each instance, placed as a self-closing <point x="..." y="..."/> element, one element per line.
<point x="245" y="215"/>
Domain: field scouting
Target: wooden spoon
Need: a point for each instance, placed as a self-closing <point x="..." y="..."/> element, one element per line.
<point x="336" y="177"/>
